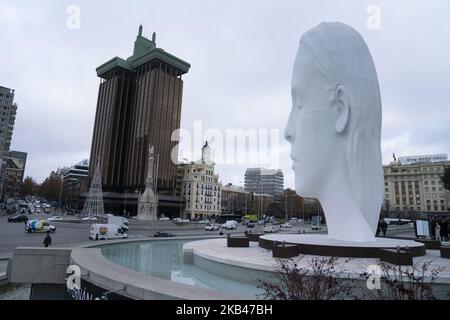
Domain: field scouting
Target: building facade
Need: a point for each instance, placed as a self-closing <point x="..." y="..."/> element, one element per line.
<point x="13" y="173"/>
<point x="11" y="163"/>
<point x="413" y="184"/>
<point x="264" y="181"/>
<point x="75" y="182"/>
<point x="139" y="104"/>
<point x="8" y="110"/>
<point x="235" y="200"/>
<point x="200" y="187"/>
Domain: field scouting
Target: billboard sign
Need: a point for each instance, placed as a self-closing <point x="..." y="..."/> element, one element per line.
<point x="423" y="159"/>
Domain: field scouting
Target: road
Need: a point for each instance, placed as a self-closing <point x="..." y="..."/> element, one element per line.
<point x="13" y="235"/>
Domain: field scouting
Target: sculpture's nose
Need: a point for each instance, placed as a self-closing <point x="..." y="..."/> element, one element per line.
<point x="289" y="134"/>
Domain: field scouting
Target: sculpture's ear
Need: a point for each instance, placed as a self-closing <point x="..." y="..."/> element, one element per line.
<point x="342" y="108"/>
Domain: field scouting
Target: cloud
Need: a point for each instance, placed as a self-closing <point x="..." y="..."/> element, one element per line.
<point x="241" y="53"/>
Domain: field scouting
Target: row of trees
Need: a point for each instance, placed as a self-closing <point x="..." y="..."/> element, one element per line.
<point x="288" y="203"/>
<point x="49" y="189"/>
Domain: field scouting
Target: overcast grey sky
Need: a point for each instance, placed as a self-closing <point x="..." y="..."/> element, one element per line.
<point x="241" y="53"/>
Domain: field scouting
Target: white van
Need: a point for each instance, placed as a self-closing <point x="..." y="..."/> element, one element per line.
<point x="230" y="224"/>
<point x="122" y="222"/>
<point x="39" y="226"/>
<point x="106" y="231"/>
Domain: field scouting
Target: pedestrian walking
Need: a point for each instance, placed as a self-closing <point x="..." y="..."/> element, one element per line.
<point x="47" y="240"/>
<point x="444" y="230"/>
<point x="378" y="228"/>
<point x="433" y="228"/>
<point x="384" y="227"/>
<point x="437" y="231"/>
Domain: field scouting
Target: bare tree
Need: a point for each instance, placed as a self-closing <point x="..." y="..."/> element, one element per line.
<point x="317" y="281"/>
<point x="403" y="283"/>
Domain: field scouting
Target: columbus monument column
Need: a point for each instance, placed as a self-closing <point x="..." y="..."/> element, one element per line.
<point x="148" y="201"/>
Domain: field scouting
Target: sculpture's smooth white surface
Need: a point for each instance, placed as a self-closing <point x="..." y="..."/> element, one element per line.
<point x="335" y="130"/>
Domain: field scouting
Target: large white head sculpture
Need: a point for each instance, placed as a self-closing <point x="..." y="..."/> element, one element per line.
<point x="335" y="130"/>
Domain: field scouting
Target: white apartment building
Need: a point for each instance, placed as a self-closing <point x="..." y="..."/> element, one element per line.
<point x="200" y="187"/>
<point x="414" y="184"/>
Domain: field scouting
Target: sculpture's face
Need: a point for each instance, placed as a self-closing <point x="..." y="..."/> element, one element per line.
<point x="311" y="127"/>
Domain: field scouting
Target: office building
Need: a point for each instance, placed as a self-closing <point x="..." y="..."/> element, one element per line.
<point x="8" y="110"/>
<point x="235" y="200"/>
<point x="75" y="182"/>
<point x="413" y="184"/>
<point x="264" y="181"/>
<point x="13" y="173"/>
<point x="139" y="104"/>
<point x="10" y="166"/>
<point x="200" y="187"/>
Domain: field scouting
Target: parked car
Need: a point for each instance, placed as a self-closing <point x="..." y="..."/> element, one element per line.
<point x="397" y="221"/>
<point x="286" y="225"/>
<point x="39" y="226"/>
<point x="89" y="219"/>
<point x="211" y="227"/>
<point x="19" y="218"/>
<point x="164" y="219"/>
<point x="270" y="229"/>
<point x="160" y="234"/>
<point x="204" y="221"/>
<point x="181" y="222"/>
<point x="230" y="224"/>
<point x="55" y="218"/>
<point x="106" y="231"/>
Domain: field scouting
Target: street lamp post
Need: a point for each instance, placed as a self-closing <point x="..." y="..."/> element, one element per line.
<point x="318" y="213"/>
<point x="138" y="193"/>
<point x="261" y="198"/>
<point x="246" y="194"/>
<point x="286" y="211"/>
<point x="291" y="206"/>
<point x="181" y="191"/>
<point x="303" y="210"/>
<point x="125" y="205"/>
<point x="60" y="193"/>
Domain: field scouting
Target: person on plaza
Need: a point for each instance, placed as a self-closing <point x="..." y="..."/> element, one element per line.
<point x="414" y="222"/>
<point x="433" y="228"/>
<point x="448" y="229"/>
<point x="378" y="228"/>
<point x="47" y="240"/>
<point x="437" y="231"/>
<point x="443" y="227"/>
<point x="384" y="227"/>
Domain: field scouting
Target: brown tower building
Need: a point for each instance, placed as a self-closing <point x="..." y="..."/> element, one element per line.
<point x="139" y="103"/>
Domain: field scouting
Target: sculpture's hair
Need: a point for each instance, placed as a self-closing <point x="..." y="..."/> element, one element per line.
<point x="341" y="57"/>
